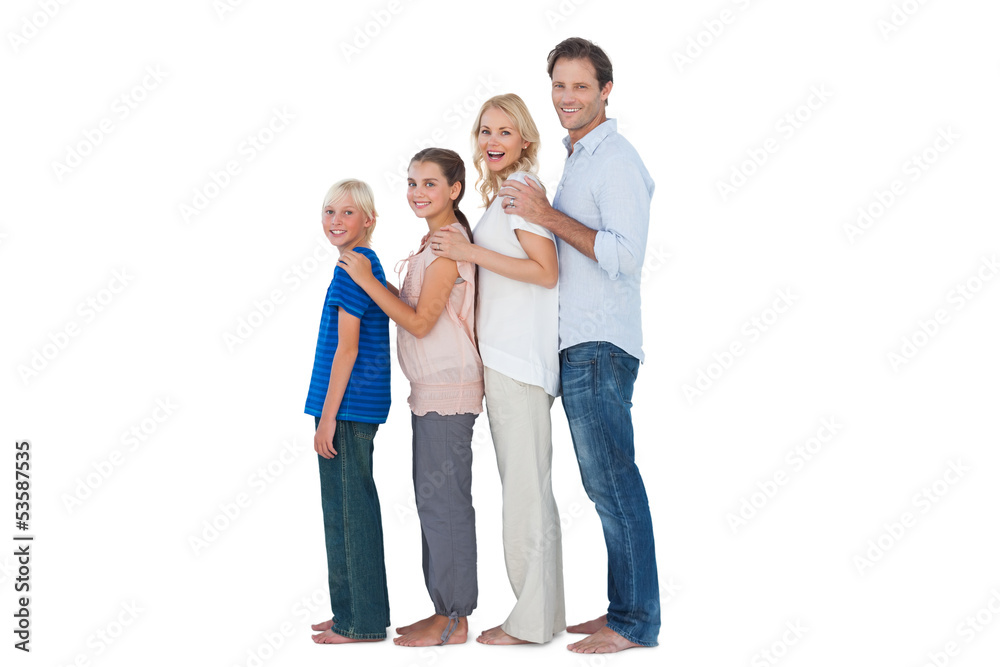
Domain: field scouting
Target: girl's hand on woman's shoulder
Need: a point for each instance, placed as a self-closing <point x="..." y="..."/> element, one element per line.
<point x="358" y="266"/>
<point x="450" y="243"/>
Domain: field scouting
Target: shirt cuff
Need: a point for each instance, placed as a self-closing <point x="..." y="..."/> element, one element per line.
<point x="606" y="252"/>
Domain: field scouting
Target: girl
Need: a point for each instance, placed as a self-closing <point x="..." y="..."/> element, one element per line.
<point x="349" y="397"/>
<point x="437" y="352"/>
<point x="517" y="325"/>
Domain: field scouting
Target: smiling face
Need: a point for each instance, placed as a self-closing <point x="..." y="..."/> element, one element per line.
<point x="577" y="97"/>
<point x="499" y="140"/>
<point x="428" y="192"/>
<point x="345" y="225"/>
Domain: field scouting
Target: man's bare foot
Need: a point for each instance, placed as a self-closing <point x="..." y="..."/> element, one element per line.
<point x="497" y="637"/>
<point x="320" y="627"/>
<point x="590" y="627"/>
<point x="429" y="634"/>
<point x="419" y="625"/>
<point x="604" y="640"/>
<point x="331" y="637"/>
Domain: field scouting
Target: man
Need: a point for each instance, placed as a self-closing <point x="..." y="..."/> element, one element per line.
<point x="600" y="216"/>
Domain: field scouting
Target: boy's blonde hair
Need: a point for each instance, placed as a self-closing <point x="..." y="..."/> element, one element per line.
<point x="362" y="195"/>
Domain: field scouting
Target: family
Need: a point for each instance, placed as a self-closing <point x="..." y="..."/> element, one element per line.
<point x="537" y="301"/>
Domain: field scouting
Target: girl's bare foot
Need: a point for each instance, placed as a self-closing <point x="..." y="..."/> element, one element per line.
<point x="331" y="637"/>
<point x="497" y="637"/>
<point x="407" y="629"/>
<point x="429" y="634"/>
<point x="604" y="640"/>
<point x="590" y="627"/>
<point x="320" y="627"/>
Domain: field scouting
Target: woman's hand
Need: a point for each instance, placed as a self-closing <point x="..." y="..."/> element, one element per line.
<point x="452" y="244"/>
<point x="323" y="440"/>
<point x="358" y="267"/>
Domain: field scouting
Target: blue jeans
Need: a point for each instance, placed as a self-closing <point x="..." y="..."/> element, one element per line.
<point x="597" y="380"/>
<point x="352" y="521"/>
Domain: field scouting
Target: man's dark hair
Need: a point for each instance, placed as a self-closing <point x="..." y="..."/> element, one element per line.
<point x="575" y="48"/>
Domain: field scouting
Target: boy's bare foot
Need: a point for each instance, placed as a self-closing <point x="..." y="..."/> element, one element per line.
<point x="604" y="640"/>
<point x="429" y="634"/>
<point x="331" y="637"/>
<point x="320" y="627"/>
<point x="407" y="629"/>
<point x="590" y="627"/>
<point x="497" y="637"/>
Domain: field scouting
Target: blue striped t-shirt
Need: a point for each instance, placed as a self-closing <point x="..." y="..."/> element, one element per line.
<point x="367" y="396"/>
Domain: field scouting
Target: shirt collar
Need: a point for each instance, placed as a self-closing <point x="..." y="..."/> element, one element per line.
<point x="593" y="139"/>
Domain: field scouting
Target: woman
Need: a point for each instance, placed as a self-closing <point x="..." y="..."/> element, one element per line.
<point x="516" y="324"/>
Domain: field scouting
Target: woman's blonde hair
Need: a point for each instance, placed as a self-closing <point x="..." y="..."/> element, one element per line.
<point x="488" y="182"/>
<point x="362" y="195"/>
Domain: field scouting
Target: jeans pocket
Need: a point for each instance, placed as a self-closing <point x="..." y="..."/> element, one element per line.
<point x="580" y="355"/>
<point x="626" y="369"/>
<point x="364" y="431"/>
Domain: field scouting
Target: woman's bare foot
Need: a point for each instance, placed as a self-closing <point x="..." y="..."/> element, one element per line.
<point x="590" y="627"/>
<point x="604" y="640"/>
<point x="429" y="634"/>
<point x="497" y="637"/>
<point x="320" y="627"/>
<point x="419" y="625"/>
<point x="331" y="637"/>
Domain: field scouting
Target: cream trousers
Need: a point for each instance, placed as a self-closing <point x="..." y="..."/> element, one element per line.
<point x="532" y="539"/>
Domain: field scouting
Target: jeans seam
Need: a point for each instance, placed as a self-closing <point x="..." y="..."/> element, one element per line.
<point x="626" y="522"/>
<point x="347" y="534"/>
<point x="621" y="510"/>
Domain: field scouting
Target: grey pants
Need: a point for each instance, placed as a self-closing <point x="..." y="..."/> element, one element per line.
<point x="442" y="482"/>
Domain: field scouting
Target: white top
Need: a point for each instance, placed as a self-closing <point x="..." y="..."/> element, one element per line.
<point x="517" y="322"/>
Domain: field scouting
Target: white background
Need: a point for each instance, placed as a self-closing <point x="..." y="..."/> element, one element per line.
<point x="712" y="265"/>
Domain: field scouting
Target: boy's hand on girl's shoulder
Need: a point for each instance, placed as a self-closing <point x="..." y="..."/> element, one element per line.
<point x="358" y="266"/>
<point x="323" y="440"/>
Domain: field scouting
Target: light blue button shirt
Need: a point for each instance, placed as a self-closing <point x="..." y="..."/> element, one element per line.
<point x="606" y="187"/>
